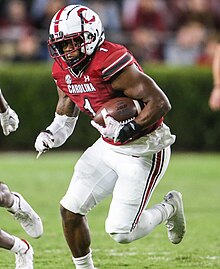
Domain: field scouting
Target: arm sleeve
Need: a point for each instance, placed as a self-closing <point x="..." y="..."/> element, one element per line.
<point x="62" y="127"/>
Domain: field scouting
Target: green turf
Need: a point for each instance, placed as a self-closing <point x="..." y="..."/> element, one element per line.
<point x="43" y="183"/>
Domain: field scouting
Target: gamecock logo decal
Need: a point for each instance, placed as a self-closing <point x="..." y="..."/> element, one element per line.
<point x="79" y="12"/>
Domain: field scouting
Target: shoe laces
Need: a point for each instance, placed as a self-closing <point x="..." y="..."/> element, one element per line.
<point x="169" y="225"/>
<point x="23" y="217"/>
<point x="20" y="259"/>
<point x="168" y="197"/>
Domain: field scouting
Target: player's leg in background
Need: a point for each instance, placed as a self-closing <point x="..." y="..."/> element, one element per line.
<point x="6" y="197"/>
<point x="6" y="240"/>
<point x="21" y="211"/>
<point x="22" y="249"/>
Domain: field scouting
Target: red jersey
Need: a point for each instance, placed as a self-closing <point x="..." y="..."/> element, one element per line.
<point x="91" y="88"/>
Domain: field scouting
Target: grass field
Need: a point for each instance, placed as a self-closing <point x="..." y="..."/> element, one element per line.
<point x="43" y="183"/>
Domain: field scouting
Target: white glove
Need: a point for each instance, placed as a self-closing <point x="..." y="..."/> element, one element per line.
<point x="112" y="127"/>
<point x="9" y="121"/>
<point x="44" y="141"/>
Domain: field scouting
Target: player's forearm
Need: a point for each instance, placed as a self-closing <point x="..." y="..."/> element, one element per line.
<point x="3" y="103"/>
<point x="65" y="105"/>
<point x="61" y="128"/>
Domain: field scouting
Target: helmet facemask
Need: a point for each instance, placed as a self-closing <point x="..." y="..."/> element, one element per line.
<point x="78" y="41"/>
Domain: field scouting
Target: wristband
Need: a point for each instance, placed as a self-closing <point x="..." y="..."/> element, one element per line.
<point x="128" y="131"/>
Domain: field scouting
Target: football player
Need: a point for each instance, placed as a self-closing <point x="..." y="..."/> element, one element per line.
<point x="128" y="160"/>
<point x="16" y="204"/>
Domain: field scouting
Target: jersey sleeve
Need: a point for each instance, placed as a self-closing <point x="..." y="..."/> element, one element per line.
<point x="55" y="71"/>
<point x="115" y="62"/>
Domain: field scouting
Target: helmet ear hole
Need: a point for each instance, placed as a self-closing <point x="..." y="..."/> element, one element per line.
<point x="51" y="37"/>
<point x="91" y="37"/>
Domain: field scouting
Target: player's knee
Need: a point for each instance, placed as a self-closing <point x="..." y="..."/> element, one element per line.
<point x="69" y="217"/>
<point x="121" y="238"/>
<point x="120" y="232"/>
<point x="65" y="214"/>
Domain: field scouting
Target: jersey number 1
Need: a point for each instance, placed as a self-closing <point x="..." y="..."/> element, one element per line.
<point x="87" y="106"/>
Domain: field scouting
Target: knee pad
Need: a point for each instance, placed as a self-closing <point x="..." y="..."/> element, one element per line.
<point x="78" y="203"/>
<point x="121" y="238"/>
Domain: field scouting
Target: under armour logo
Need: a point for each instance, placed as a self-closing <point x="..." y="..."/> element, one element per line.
<point x="86" y="78"/>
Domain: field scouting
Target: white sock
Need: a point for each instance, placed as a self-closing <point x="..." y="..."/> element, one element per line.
<point x="85" y="262"/>
<point x="16" y="205"/>
<point x="166" y="209"/>
<point x="19" y="246"/>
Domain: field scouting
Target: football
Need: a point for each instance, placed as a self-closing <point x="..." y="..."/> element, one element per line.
<point x="122" y="109"/>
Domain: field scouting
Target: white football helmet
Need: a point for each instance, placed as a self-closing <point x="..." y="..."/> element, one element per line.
<point x="79" y="25"/>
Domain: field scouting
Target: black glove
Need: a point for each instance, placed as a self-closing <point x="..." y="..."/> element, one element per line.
<point x="128" y="131"/>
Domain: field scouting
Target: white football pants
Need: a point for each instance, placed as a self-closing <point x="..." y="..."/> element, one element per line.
<point x="101" y="171"/>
